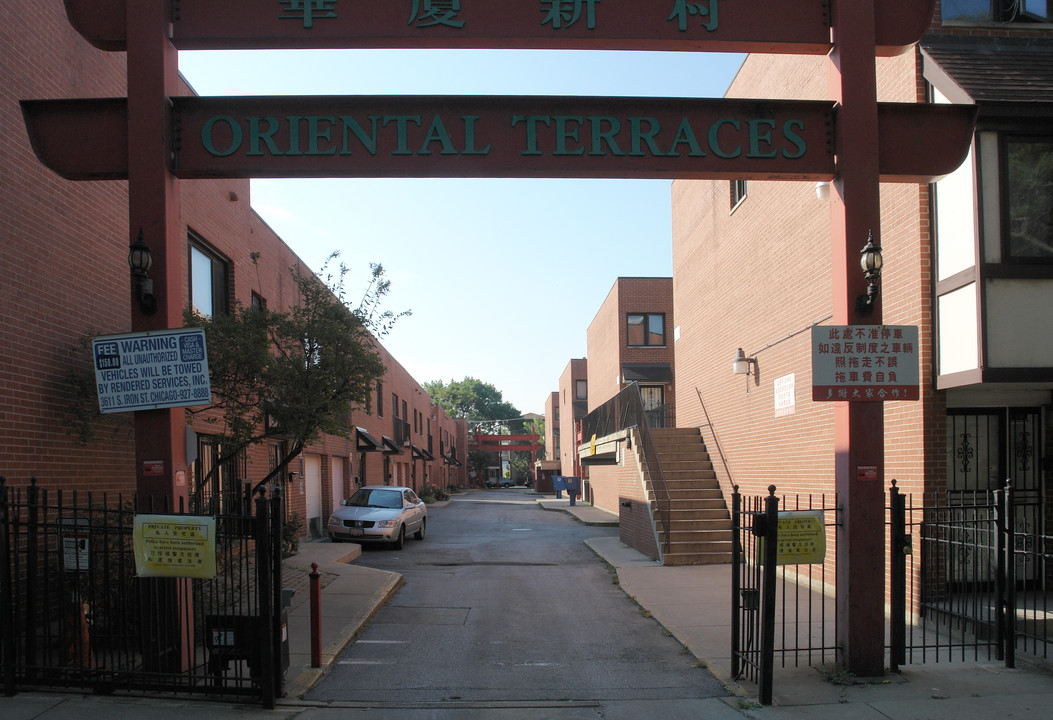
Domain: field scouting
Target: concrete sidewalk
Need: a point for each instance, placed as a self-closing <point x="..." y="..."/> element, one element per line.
<point x="350" y="595"/>
<point x="691" y="602"/>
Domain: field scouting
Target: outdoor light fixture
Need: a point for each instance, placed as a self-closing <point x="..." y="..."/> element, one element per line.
<point x="741" y="364"/>
<point x="747" y="366"/>
<point x="871" y="261"/>
<point x="139" y="260"/>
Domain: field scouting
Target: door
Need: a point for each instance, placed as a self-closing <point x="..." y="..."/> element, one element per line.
<point x="337" y="474"/>
<point x="653" y="397"/>
<point x="312" y="470"/>
<point x="985" y="448"/>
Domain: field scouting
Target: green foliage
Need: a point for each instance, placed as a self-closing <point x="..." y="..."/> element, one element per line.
<point x="472" y="399"/>
<point x="292" y="530"/>
<point x="81" y="417"/>
<point x="430" y="494"/>
<point x="296" y="373"/>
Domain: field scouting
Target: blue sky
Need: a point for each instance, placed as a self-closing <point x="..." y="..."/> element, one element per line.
<point x="503" y="276"/>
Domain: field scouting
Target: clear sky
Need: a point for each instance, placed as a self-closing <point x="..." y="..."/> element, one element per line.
<point x="503" y="276"/>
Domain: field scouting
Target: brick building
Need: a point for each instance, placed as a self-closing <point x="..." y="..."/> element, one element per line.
<point x="963" y="258"/>
<point x="573" y="406"/>
<point x="65" y="273"/>
<point x="630" y="340"/>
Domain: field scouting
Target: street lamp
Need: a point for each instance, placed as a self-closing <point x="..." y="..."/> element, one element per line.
<point x="870" y="261"/>
<point x="140" y="260"/>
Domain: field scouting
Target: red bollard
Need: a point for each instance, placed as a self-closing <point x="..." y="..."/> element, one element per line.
<point x="316" y="617"/>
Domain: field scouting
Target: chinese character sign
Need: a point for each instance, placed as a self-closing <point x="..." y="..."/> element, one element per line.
<point x="865" y="363"/>
<point x="174" y="546"/>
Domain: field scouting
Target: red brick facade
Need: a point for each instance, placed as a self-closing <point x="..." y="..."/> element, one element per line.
<point x="64" y="273"/>
<point x="609" y="351"/>
<point x="571" y="409"/>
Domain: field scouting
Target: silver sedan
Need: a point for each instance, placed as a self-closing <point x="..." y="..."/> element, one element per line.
<point x="379" y="513"/>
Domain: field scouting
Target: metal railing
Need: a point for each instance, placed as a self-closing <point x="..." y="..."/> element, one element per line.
<point x="713" y="431"/>
<point x="622" y="412"/>
<point x="74" y="612"/>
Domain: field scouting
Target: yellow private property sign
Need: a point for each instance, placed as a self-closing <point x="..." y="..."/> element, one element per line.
<point x="175" y="546"/>
<point x="801" y="538"/>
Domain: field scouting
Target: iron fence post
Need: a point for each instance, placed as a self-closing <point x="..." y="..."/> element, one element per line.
<point x="277" y="605"/>
<point x="266" y="599"/>
<point x="7" y="604"/>
<point x="736" y="560"/>
<point x="32" y="519"/>
<point x="898" y="568"/>
<point x="771" y="539"/>
<point x="1009" y="558"/>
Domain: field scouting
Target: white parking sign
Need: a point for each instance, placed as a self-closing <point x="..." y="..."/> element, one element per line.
<point x="145" y="371"/>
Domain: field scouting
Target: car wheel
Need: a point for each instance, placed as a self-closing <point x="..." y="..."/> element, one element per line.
<point x="400" y="541"/>
<point x="420" y="532"/>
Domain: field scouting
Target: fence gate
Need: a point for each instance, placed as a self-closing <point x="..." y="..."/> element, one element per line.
<point x="783" y="613"/>
<point x="75" y="615"/>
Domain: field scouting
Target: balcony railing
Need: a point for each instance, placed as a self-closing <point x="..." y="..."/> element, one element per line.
<point x="623" y="412"/>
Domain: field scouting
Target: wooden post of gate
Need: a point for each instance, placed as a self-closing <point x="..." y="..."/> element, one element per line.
<point x="858" y="426"/>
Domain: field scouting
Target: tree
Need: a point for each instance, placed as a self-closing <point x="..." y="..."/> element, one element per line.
<point x="473" y="400"/>
<point x="295" y="374"/>
<point x="482" y="404"/>
<point x="298" y="373"/>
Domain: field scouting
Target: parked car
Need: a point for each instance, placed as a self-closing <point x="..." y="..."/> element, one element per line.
<point x="379" y="513"/>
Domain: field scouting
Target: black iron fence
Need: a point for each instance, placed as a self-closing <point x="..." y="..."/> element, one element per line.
<point x="783" y="612"/>
<point x="75" y="614"/>
<point x="968" y="580"/>
<point x="974" y="578"/>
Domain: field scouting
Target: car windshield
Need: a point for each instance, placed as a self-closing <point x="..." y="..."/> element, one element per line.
<point x="376" y="498"/>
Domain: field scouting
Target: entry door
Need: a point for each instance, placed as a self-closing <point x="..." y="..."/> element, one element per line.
<point x="653" y="397"/>
<point x="337" y="474"/>
<point x="312" y="470"/>
<point x="985" y="447"/>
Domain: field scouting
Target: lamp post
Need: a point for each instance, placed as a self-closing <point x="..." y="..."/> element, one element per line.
<point x="140" y="260"/>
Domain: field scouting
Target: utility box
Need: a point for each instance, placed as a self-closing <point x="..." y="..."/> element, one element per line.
<point x="234" y="636"/>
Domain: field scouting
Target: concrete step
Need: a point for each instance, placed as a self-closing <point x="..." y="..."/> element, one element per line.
<point x="709" y="558"/>
<point x="717" y="524"/>
<point x="715" y="546"/>
<point x="712" y="503"/>
<point x="679" y="492"/>
<point x="682" y="461"/>
<point x="679" y="536"/>
<point x="690" y="516"/>
<point x="689" y="474"/>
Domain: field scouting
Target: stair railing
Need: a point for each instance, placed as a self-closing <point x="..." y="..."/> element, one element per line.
<point x="623" y="412"/>
<point x="716" y="440"/>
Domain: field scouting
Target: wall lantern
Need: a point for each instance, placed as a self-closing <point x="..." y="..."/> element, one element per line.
<point x="741" y="364"/>
<point x="140" y="260"/>
<point x="870" y="261"/>
<point x="747" y="366"/>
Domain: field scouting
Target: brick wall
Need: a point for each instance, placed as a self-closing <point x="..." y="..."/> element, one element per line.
<point x="63" y="259"/>
<point x="64" y="273"/>
<point x="577" y="369"/>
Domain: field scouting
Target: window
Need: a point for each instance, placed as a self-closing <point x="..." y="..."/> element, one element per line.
<point x="990" y="11"/>
<point x="738" y="192"/>
<point x="258" y="303"/>
<point x="1029" y="200"/>
<point x="380" y="399"/>
<point x="646" y="329"/>
<point x="581" y="389"/>
<point x="208" y="280"/>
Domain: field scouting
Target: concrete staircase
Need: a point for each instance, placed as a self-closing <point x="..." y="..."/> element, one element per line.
<point x="700" y="523"/>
